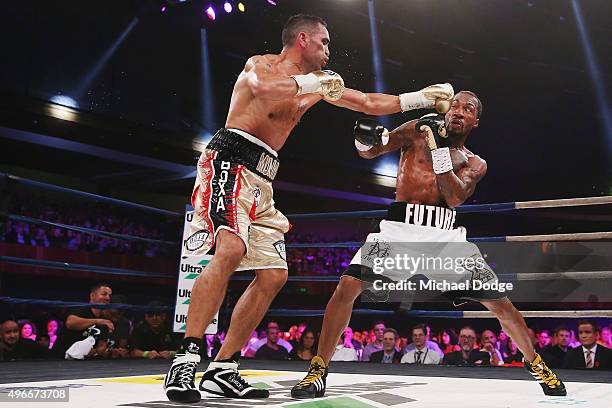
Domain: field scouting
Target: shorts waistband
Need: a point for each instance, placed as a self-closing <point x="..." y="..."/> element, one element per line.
<point x="255" y="140"/>
<point x="237" y="148"/>
<point x="422" y="215"/>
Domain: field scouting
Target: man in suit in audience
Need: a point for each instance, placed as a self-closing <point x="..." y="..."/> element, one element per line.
<point x="422" y="353"/>
<point x="388" y="355"/>
<point x="555" y="354"/>
<point x="377" y="345"/>
<point x="589" y="355"/>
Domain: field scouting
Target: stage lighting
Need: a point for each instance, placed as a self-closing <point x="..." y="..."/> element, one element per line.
<point x="163" y="9"/>
<point x="64" y="101"/>
<point x="210" y="12"/>
<point x="227" y="7"/>
<point x="241" y="7"/>
<point x="272" y="2"/>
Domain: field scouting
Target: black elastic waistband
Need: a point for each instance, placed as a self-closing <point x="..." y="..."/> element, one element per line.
<point x="237" y="149"/>
<point x="422" y="214"/>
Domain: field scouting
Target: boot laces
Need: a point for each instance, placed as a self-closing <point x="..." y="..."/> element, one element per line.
<point x="186" y="369"/>
<point x="548" y="377"/>
<point x="237" y="379"/>
<point x="314" y="372"/>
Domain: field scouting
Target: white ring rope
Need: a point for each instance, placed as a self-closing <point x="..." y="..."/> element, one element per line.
<point x="563" y="202"/>
<point x="579" y="236"/>
<point x="563" y="275"/>
<point x="543" y="313"/>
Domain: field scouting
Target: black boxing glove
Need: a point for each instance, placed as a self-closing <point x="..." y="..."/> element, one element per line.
<point x="437" y="140"/>
<point x="369" y="133"/>
<point x="435" y="128"/>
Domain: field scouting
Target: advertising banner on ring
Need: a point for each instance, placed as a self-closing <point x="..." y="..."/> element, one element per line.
<point x="189" y="269"/>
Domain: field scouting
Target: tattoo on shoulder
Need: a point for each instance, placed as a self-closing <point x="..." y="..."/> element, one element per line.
<point x="264" y="63"/>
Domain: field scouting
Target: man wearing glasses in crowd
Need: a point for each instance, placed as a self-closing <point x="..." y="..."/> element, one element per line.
<point x="468" y="356"/>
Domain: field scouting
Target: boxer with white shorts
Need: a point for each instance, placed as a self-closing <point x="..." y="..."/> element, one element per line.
<point x="436" y="173"/>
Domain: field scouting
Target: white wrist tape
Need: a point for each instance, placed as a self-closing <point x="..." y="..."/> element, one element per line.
<point x="414" y="100"/>
<point x="362" y="147"/>
<point x="442" y="162"/>
<point x="385" y="137"/>
<point x="307" y="84"/>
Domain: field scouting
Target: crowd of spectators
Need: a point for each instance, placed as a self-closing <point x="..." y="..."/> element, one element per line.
<point x="94" y="216"/>
<point x="322" y="261"/>
<point x="106" y="333"/>
<point x="90" y="332"/>
<point x="381" y="344"/>
<point x="325" y="261"/>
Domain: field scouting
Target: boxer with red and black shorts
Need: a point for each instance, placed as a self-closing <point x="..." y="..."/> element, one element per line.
<point x="232" y="197"/>
<point x="233" y="192"/>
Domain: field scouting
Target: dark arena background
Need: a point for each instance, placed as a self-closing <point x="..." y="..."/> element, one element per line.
<point x="106" y="106"/>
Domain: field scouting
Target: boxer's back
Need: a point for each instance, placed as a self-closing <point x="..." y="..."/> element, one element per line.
<point x="269" y="120"/>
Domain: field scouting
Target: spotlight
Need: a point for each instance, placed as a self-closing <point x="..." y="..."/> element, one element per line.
<point x="64" y="101"/>
<point x="210" y="12"/>
<point x="227" y="7"/>
<point x="163" y="9"/>
<point x="272" y="2"/>
<point x="241" y="7"/>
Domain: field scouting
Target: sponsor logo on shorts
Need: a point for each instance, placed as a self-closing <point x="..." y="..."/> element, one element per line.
<point x="480" y="270"/>
<point x="257" y="195"/>
<point x="197" y="240"/>
<point x="379" y="249"/>
<point x="223" y="178"/>
<point x="280" y="248"/>
<point x="430" y="216"/>
<point x="268" y="165"/>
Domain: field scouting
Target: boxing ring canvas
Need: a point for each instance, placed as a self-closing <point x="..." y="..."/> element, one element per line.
<point x="350" y="385"/>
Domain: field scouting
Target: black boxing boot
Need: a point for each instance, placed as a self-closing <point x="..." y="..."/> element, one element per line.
<point x="551" y="385"/>
<point x="179" y="383"/>
<point x="313" y="385"/>
<point x="223" y="379"/>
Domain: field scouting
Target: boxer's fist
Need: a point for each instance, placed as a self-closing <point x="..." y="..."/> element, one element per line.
<point x="326" y="83"/>
<point x="439" y="93"/>
<point x="438" y="96"/>
<point x="332" y="84"/>
<point x="368" y="133"/>
<point x="435" y="130"/>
